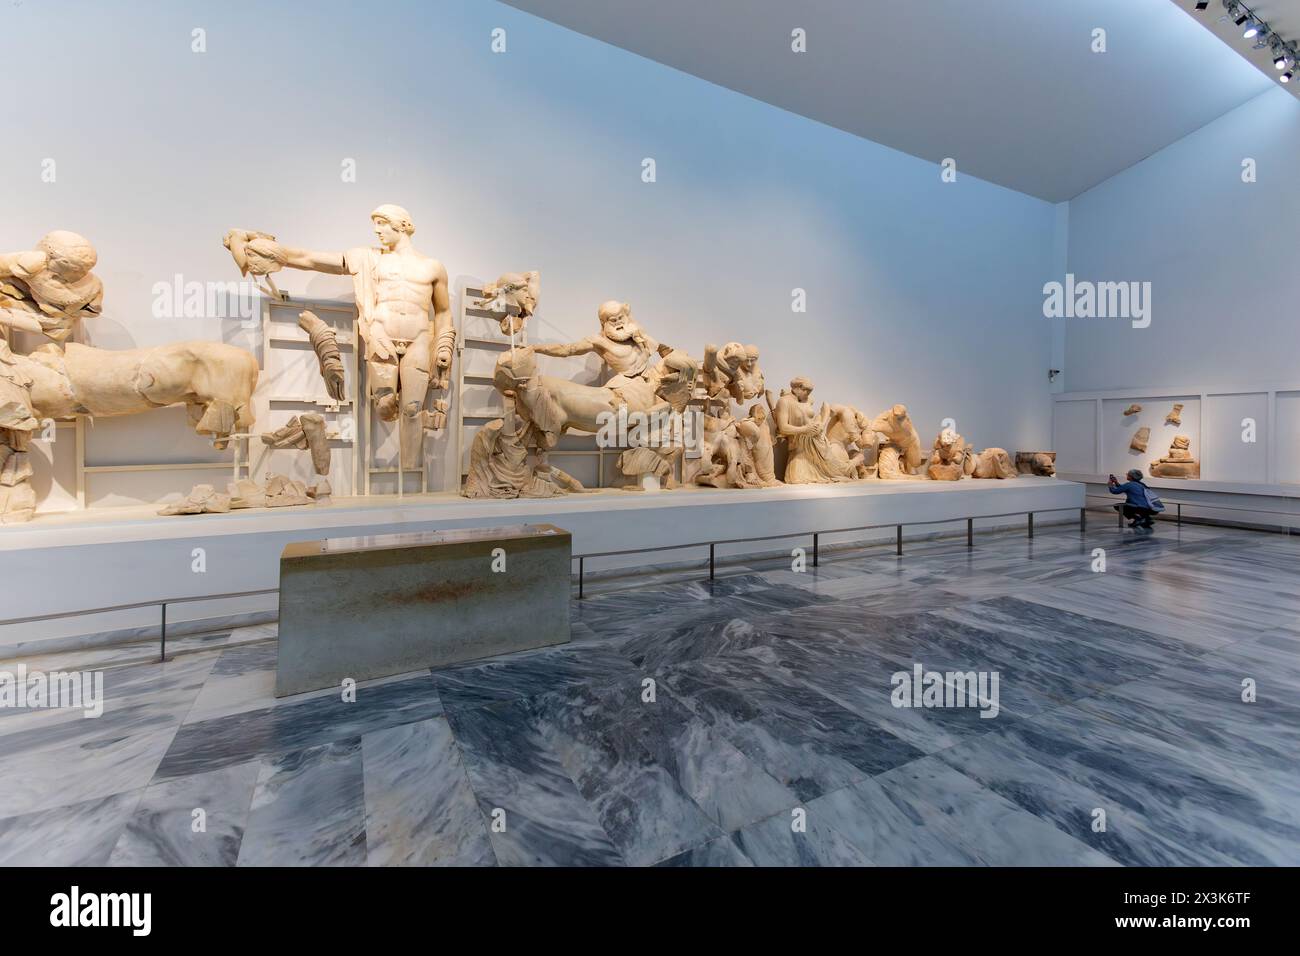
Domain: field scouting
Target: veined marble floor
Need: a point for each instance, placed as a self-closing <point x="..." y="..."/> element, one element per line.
<point x="742" y="722"/>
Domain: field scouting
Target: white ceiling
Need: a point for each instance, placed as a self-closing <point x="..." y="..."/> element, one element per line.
<point x="1010" y="89"/>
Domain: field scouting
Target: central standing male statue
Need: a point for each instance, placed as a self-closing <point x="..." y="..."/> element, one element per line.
<point x="404" y="314"/>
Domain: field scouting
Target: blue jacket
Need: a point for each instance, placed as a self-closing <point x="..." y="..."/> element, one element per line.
<point x="1135" y="494"/>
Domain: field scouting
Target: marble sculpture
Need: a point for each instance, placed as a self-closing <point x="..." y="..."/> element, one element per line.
<point x="900" y="446"/>
<point x="403" y="314"/>
<point x="951" y="459"/>
<point x="1041" y="463"/>
<point x="1140" y="439"/>
<point x="993" y="463"/>
<point x="1178" y="463"/>
<point x="47" y="291"/>
<point x="408" y="339"/>
<point x="1175" y="416"/>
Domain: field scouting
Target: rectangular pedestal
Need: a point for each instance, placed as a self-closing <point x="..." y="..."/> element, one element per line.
<point x="374" y="606"/>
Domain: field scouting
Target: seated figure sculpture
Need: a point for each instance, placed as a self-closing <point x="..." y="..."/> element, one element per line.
<point x="951" y="459"/>
<point x="810" y="457"/>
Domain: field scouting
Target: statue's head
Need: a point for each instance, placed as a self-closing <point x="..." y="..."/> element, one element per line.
<point x="1044" y="465"/>
<point x="391" y="223"/>
<point x="69" y="256"/>
<point x="758" y="412"/>
<point x="514" y="296"/>
<point x="616" y="321"/>
<point x="948" y="438"/>
<point x="899" y="413"/>
<point x="801" y="387"/>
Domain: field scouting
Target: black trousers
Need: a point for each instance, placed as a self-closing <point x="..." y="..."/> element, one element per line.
<point x="1136" y="514"/>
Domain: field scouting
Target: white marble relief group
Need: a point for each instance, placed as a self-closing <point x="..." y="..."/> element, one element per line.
<point x="712" y="421"/>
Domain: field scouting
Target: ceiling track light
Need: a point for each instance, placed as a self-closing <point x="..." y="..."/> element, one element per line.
<point x="1283" y="54"/>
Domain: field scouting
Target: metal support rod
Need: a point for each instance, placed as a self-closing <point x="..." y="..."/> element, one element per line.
<point x="1180" y="514"/>
<point x="815" y="543"/>
<point x="581" y="562"/>
<point x="162" y="635"/>
<point x="710" y="562"/>
<point x="970" y="532"/>
<point x="1083" y="519"/>
<point x="899" y="545"/>
<point x="1031" y="524"/>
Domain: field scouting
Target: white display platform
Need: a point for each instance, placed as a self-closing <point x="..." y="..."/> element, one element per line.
<point x="86" y="560"/>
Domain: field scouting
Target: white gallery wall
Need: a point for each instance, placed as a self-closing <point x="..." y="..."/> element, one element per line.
<point x="917" y="290"/>
<point x="1220" y="255"/>
<point x="1209" y="222"/>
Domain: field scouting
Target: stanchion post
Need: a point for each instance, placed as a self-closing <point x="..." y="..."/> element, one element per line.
<point x="1083" y="519"/>
<point x="581" y="562"/>
<point x="710" y="561"/>
<point x="1031" y="524"/>
<point x="970" y="532"/>
<point x="899" y="544"/>
<point x="162" y="635"/>
<point x="815" y="548"/>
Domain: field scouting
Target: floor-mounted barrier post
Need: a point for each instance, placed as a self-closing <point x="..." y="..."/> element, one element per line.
<point x="1180" y="514"/>
<point x="970" y="532"/>
<point x="581" y="561"/>
<point x="815" y="543"/>
<point x="710" y="562"/>
<point x="899" y="546"/>
<point x="1083" y="519"/>
<point x="162" y="635"/>
<point x="1031" y="524"/>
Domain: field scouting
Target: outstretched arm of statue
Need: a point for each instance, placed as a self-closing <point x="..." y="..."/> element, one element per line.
<point x="566" y="349"/>
<point x="260" y="254"/>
